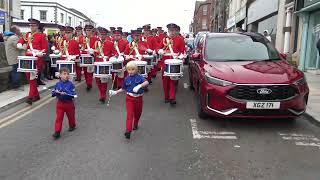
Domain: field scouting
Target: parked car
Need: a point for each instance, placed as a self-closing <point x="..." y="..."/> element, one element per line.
<point x="241" y="75"/>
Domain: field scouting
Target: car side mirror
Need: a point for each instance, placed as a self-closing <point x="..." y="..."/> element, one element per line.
<point x="283" y="55"/>
<point x="196" y="56"/>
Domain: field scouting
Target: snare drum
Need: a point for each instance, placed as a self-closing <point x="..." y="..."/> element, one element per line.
<point x="54" y="58"/>
<point x="142" y="68"/>
<point x="148" y="59"/>
<point x="173" y="68"/>
<point x="86" y="60"/>
<point x="102" y="69"/>
<point x="117" y="63"/>
<point x="66" y="64"/>
<point x="27" y="64"/>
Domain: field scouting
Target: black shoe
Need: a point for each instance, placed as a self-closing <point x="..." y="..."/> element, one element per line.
<point x="135" y="127"/>
<point x="49" y="78"/>
<point x="146" y="89"/>
<point x="78" y="80"/>
<point x="89" y="88"/>
<point x="41" y="83"/>
<point x="150" y="82"/>
<point x="54" y="77"/>
<point x="72" y="128"/>
<point x="102" y="100"/>
<point x="127" y="135"/>
<point x="29" y="101"/>
<point x="166" y="101"/>
<point x="173" y="102"/>
<point x="35" y="99"/>
<point x="56" y="135"/>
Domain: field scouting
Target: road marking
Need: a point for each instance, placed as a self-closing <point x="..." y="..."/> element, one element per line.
<point x="308" y="144"/>
<point x="302" y="139"/>
<point x="209" y="134"/>
<point x="27" y="110"/>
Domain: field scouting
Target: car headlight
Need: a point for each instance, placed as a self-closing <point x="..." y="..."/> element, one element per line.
<point x="301" y="81"/>
<point x="216" y="81"/>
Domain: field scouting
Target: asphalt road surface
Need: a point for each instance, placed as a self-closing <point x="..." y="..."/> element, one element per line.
<point x="172" y="143"/>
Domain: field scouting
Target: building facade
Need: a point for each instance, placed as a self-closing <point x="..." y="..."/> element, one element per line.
<point x="309" y="15"/>
<point x="237" y="16"/>
<point x="220" y="9"/>
<point x="51" y="14"/>
<point x="202" y="19"/>
<point x="9" y="9"/>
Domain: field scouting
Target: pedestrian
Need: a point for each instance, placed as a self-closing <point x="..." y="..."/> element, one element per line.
<point x="64" y="90"/>
<point x="49" y="71"/>
<point x="134" y="86"/>
<point x="266" y="35"/>
<point x="11" y="40"/>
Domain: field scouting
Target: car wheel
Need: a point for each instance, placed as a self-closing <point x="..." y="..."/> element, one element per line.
<point x="201" y="113"/>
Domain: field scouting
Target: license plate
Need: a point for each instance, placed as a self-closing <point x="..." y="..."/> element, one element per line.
<point x="263" y="105"/>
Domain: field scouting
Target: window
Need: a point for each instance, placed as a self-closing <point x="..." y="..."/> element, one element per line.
<point x="2" y="4"/>
<point x="22" y="14"/>
<point x="244" y="48"/>
<point x="204" y="24"/>
<point x="205" y="10"/>
<point x="62" y="18"/>
<point x="81" y="23"/>
<point x="43" y="15"/>
<point x="69" y="20"/>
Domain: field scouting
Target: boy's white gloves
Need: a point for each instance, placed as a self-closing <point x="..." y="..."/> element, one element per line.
<point x="112" y="92"/>
<point x="137" y="88"/>
<point x="149" y="51"/>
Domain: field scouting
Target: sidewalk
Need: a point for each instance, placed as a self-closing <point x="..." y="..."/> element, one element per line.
<point x="12" y="98"/>
<point x="313" y="108"/>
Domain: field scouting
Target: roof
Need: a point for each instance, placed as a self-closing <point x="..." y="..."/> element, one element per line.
<point x="78" y="12"/>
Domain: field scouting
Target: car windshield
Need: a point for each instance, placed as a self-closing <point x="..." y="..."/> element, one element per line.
<point x="239" y="48"/>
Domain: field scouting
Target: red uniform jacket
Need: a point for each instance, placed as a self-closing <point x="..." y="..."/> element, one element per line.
<point x="142" y="47"/>
<point x="107" y="49"/>
<point x="152" y="42"/>
<point x="39" y="41"/>
<point x="92" y="40"/>
<point x="178" y="45"/>
<point x="122" y="44"/>
<point x="73" y="48"/>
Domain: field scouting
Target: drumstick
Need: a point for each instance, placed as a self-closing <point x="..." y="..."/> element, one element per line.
<point x="75" y="96"/>
<point x="114" y="78"/>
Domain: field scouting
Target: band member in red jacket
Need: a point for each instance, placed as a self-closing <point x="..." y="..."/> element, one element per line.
<point x="138" y="44"/>
<point x="152" y="46"/>
<point x="88" y="45"/>
<point x="103" y="51"/>
<point x="160" y="37"/>
<point x="80" y="39"/>
<point x="70" y="47"/>
<point x="177" y="44"/>
<point x="121" y="45"/>
<point x="36" y="44"/>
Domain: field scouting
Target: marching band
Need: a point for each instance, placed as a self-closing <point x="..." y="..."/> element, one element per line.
<point x="103" y="55"/>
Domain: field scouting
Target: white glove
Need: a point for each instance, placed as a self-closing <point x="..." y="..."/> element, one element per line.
<point x="53" y="48"/>
<point x="161" y="52"/>
<point x="39" y="54"/>
<point x="19" y="46"/>
<point x="112" y="93"/>
<point x="24" y="47"/>
<point x="149" y="51"/>
<point x="136" y="89"/>
<point x="56" y="51"/>
<point x="181" y="56"/>
<point x="91" y="51"/>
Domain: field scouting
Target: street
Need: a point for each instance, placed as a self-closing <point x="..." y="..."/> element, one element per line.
<point x="171" y="143"/>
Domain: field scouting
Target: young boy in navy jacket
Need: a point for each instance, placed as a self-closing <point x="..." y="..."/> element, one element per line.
<point x="64" y="90"/>
<point x="133" y="85"/>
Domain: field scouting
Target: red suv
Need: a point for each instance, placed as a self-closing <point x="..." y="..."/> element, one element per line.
<point x="241" y="75"/>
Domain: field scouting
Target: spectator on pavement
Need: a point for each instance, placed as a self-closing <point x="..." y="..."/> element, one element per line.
<point x="266" y="35"/>
<point x="12" y="52"/>
<point x="49" y="71"/>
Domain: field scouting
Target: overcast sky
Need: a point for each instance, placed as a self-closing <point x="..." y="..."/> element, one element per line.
<point x="133" y="13"/>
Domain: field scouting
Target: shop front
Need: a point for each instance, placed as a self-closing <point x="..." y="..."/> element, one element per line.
<point x="310" y="15"/>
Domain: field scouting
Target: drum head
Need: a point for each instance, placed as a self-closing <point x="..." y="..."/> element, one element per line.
<point x="102" y="70"/>
<point x="27" y="64"/>
<point x="141" y="69"/>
